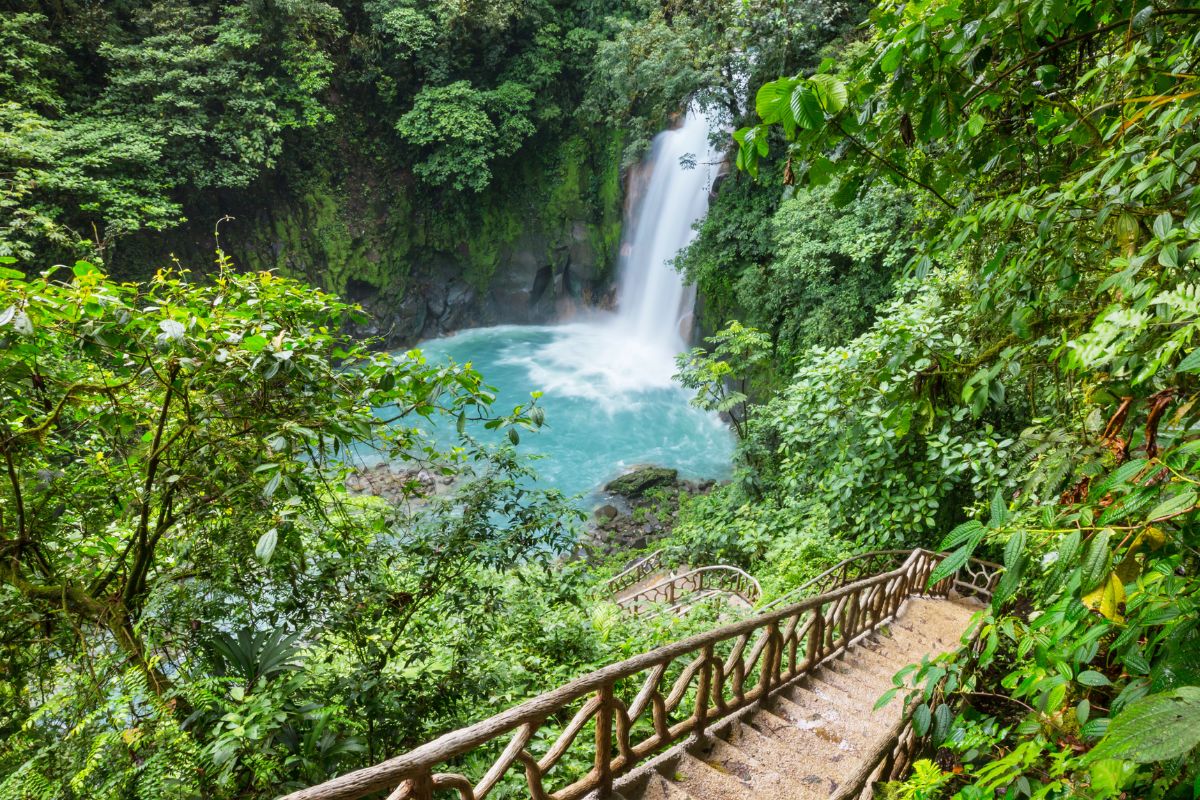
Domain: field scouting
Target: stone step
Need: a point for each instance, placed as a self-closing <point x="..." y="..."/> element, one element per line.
<point x="764" y="782"/>
<point x="659" y="788"/>
<point x="793" y="763"/>
<point x="702" y="781"/>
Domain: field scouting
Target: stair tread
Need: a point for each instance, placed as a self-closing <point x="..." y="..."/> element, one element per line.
<point x="796" y="764"/>
<point x="703" y="781"/>
<point x="659" y="788"/>
<point x="763" y="782"/>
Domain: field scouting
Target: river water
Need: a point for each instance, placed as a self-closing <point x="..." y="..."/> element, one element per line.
<point x="609" y="397"/>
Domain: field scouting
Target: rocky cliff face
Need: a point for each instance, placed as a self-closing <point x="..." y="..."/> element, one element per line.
<point x="537" y="246"/>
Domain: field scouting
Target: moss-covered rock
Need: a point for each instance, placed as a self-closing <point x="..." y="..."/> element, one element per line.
<point x="641" y="480"/>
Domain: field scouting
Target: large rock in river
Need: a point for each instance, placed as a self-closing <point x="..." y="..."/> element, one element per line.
<point x="642" y="480"/>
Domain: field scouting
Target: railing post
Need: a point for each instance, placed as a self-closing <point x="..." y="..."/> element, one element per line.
<point x="767" y="674"/>
<point x="816" y="632"/>
<point x="420" y="786"/>
<point x="851" y="618"/>
<point x="604" y="726"/>
<point x="703" y="690"/>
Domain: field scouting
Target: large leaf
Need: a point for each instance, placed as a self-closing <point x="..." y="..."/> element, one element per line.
<point x="960" y="534"/>
<point x="1095" y="560"/>
<point x="1159" y="727"/>
<point x="1174" y="506"/>
<point x="951" y="563"/>
<point x="805" y="107"/>
<point x="773" y="99"/>
<point x="830" y="92"/>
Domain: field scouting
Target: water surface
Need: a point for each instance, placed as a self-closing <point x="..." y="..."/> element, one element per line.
<point x="609" y="399"/>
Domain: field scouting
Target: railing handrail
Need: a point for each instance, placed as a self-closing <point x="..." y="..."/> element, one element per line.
<point x="845" y="562"/>
<point x="852" y="609"/>
<point x="649" y="592"/>
<point x="637" y="565"/>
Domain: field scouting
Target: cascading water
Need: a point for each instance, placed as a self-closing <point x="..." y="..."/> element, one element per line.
<point x="653" y="302"/>
<point x="609" y="397"/>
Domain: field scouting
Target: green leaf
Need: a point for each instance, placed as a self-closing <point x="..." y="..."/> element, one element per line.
<point x="1172" y="506"/>
<point x="1190" y="362"/>
<point x="999" y="511"/>
<point x="255" y="343"/>
<point x="891" y="58"/>
<point x="961" y="534"/>
<point x="951" y="563"/>
<point x="886" y="697"/>
<point x="921" y="719"/>
<point x="1090" y="677"/>
<point x="1158" y="727"/>
<point x="771" y="101"/>
<point x="805" y="107"/>
<point x="1068" y="550"/>
<point x="1162" y="225"/>
<point x="1095" y="560"/>
<point x="830" y="92"/>
<point x="266" y="545"/>
<point x="1014" y="549"/>
<point x="941" y="723"/>
<point x="975" y="125"/>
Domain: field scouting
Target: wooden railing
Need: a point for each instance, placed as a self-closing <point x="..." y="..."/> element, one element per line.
<point x="841" y="573"/>
<point x="639" y="707"/>
<point x="639" y="570"/>
<point x="677" y="588"/>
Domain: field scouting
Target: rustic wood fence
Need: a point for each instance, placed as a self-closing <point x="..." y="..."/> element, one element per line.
<point x="637" y="708"/>
<point x="693" y="583"/>
<point x="639" y="570"/>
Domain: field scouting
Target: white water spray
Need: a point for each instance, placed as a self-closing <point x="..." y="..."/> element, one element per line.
<point x="653" y="303"/>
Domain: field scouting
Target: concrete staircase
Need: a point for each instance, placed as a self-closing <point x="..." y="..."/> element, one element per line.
<point x="812" y="735"/>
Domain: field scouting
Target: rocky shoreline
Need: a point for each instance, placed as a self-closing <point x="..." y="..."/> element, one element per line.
<point x="639" y="507"/>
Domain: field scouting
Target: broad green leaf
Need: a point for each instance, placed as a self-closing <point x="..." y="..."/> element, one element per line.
<point x="1173" y="506"/>
<point x="830" y="92"/>
<point x="1158" y="727"/>
<point x="921" y="719"/>
<point x="1190" y="362"/>
<point x="772" y="101"/>
<point x="951" y="564"/>
<point x="266" y="545"/>
<point x="1090" y="677"/>
<point x="805" y="107"/>
<point x="961" y="534"/>
<point x="999" y="511"/>
<point x="1014" y="549"/>
<point x="891" y="58"/>
<point x="1095" y="560"/>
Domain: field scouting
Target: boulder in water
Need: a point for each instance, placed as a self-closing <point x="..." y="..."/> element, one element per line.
<point x="641" y="480"/>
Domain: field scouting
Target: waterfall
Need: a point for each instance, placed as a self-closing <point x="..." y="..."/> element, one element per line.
<point x="653" y="304"/>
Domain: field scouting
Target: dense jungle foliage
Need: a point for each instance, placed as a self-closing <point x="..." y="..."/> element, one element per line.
<point x="1034" y="365"/>
<point x="951" y="302"/>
